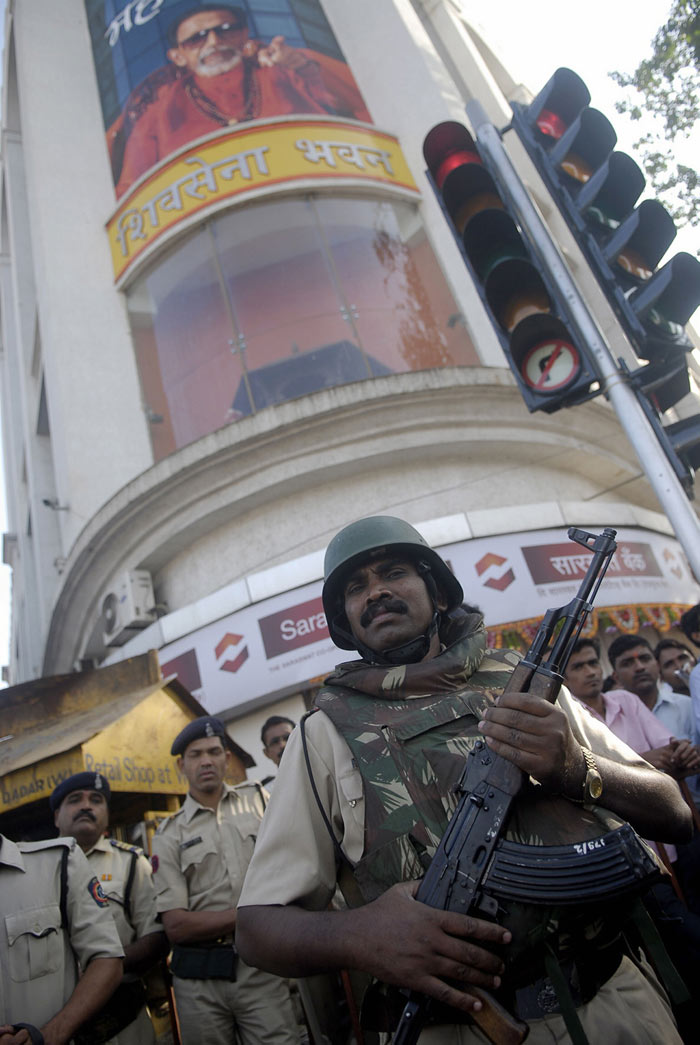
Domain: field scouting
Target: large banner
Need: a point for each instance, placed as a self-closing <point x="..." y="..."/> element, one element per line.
<point x="280" y="643"/>
<point x="243" y="161"/>
<point x="173" y="71"/>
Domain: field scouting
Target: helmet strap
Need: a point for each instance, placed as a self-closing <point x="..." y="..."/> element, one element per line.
<point x="410" y="652"/>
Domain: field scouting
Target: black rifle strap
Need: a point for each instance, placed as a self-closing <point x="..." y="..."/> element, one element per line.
<point x="262" y="793"/>
<point x="129" y="886"/>
<point x="657" y="953"/>
<point x="63" y="902"/>
<point x="566" y="1002"/>
<point x="344" y="859"/>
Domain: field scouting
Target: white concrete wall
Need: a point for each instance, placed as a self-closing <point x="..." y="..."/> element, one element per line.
<point x="99" y="432"/>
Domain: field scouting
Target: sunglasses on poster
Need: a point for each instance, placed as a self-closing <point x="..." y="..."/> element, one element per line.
<point x="220" y="31"/>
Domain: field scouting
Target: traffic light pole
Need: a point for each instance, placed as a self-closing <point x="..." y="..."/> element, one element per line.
<point x="652" y="459"/>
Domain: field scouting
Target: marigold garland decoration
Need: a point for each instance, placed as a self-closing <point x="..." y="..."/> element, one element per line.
<point x="607" y="620"/>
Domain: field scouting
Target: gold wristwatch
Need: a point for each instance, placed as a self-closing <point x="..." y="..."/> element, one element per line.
<point x="593" y="782"/>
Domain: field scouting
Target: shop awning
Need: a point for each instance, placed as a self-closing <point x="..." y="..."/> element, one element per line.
<point x="119" y="721"/>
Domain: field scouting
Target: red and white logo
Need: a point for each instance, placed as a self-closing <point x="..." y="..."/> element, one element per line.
<point x="492" y="565"/>
<point x="231" y="642"/>
<point x="294" y="626"/>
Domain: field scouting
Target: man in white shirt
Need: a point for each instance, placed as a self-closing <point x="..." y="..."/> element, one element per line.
<point x="690" y="623"/>
<point x="675" y="662"/>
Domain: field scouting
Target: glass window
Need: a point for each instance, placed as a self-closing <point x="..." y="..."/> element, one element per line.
<point x="286" y="304"/>
<point x="280" y="299"/>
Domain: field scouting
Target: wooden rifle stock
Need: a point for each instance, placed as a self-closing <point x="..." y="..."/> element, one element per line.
<point x="489" y="786"/>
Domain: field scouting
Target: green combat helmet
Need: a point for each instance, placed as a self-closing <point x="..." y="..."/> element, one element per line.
<point x="373" y="538"/>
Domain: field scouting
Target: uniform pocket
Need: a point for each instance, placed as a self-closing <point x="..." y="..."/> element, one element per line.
<point x="35" y="942"/>
<point x="195" y="852"/>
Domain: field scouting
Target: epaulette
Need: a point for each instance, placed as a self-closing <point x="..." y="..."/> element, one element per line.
<point x="163" y="825"/>
<point x="47" y="843"/>
<point x="255" y="785"/>
<point x="126" y="847"/>
<point x="246" y="783"/>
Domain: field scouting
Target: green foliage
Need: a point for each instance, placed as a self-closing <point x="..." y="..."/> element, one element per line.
<point x="667" y="87"/>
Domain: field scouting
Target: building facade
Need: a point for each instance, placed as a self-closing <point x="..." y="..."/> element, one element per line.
<point x="234" y="318"/>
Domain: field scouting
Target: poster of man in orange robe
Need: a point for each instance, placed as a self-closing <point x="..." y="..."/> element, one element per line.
<point x="218" y="73"/>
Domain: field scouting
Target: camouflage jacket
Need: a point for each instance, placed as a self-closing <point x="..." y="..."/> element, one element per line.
<point x="409" y="729"/>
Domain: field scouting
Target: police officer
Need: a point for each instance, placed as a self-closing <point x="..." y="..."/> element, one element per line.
<point x="60" y="955"/>
<point x="80" y="806"/>
<point x="366" y="786"/>
<point x="200" y="858"/>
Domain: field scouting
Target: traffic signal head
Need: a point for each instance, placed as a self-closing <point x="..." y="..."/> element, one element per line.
<point x="550" y="369"/>
<point x="680" y="441"/>
<point x="597" y="191"/>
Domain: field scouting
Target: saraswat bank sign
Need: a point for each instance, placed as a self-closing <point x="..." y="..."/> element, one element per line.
<point x="282" y="643"/>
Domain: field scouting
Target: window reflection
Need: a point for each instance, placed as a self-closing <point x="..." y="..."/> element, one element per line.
<point x="274" y="301"/>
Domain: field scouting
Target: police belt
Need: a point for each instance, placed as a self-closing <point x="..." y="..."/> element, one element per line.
<point x="214" y="961"/>
<point x="583" y="975"/>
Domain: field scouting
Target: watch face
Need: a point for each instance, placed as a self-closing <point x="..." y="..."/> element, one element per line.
<point x="594" y="784"/>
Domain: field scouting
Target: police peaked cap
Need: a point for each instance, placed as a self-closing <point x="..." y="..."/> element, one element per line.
<point x="79" y="782"/>
<point x="206" y="726"/>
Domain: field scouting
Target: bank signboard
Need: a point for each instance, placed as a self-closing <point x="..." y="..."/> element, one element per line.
<point x="281" y="643"/>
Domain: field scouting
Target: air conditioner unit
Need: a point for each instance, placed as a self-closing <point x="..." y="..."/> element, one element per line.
<point x="127" y="607"/>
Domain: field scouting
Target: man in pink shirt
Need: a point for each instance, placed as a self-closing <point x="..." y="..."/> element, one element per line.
<point x="627" y="716"/>
<point x="631" y="721"/>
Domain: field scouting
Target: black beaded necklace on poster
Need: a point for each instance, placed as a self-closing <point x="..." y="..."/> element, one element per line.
<point x="251" y="96"/>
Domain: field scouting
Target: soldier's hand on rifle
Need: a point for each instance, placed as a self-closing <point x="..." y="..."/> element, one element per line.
<point x="536" y="736"/>
<point x="435" y="952"/>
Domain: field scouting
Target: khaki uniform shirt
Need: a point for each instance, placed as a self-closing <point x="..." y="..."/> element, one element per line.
<point x="201" y="855"/>
<point x="37" y="957"/>
<point x="295" y="860"/>
<point x="110" y="861"/>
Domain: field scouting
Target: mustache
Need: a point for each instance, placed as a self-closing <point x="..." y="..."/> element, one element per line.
<point x="85" y="812"/>
<point x="219" y="49"/>
<point x="392" y="605"/>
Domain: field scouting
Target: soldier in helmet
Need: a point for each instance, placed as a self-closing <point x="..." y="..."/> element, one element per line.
<point x="364" y="791"/>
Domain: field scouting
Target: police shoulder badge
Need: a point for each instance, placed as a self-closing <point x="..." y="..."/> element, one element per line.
<point x="95" y="890"/>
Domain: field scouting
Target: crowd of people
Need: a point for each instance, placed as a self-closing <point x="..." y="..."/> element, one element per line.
<point x="251" y="888"/>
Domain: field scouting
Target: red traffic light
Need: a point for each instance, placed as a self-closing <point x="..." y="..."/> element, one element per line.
<point x="447" y="147"/>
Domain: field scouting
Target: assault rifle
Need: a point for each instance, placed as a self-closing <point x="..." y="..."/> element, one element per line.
<point x="472" y="869"/>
